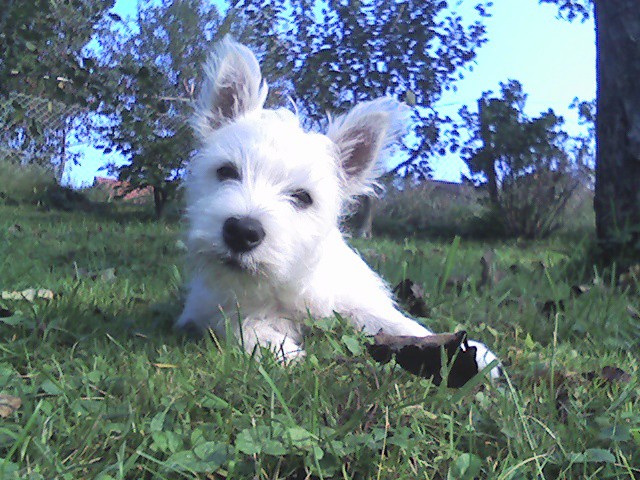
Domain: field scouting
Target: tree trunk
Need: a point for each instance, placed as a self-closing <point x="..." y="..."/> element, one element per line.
<point x="617" y="191"/>
<point x="159" y="200"/>
<point x="492" y="183"/>
<point x="365" y="217"/>
<point x="486" y="160"/>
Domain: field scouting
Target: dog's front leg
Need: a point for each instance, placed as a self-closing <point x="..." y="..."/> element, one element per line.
<point x="386" y="318"/>
<point x="280" y="335"/>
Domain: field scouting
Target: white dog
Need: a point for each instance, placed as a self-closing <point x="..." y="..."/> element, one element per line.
<point x="264" y="202"/>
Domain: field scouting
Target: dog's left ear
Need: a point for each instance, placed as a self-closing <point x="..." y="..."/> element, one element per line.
<point x="361" y="136"/>
<point x="233" y="86"/>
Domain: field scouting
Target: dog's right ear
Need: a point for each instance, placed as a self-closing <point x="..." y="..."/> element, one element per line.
<point x="361" y="136"/>
<point x="232" y="87"/>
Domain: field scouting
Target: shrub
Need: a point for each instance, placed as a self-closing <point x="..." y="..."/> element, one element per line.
<point x="34" y="184"/>
<point x="25" y="183"/>
<point x="532" y="205"/>
<point x="432" y="208"/>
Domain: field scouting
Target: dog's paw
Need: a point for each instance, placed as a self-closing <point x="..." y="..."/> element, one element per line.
<point x="293" y="356"/>
<point x="484" y="357"/>
<point x="284" y="354"/>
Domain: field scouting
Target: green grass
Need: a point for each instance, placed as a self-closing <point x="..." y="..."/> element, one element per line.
<point x="108" y="391"/>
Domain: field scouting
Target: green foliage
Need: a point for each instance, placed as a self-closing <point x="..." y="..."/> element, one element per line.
<point x="434" y="209"/>
<point x="35" y="184"/>
<point x="154" y="69"/>
<point x="27" y="184"/>
<point x="530" y="176"/>
<point x="428" y="208"/>
<point x="47" y="79"/>
<point x="41" y="46"/>
<point x="108" y="391"/>
<point x="574" y="9"/>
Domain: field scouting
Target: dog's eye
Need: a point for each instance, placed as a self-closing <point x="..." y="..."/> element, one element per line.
<point x="301" y="199"/>
<point x="228" y="171"/>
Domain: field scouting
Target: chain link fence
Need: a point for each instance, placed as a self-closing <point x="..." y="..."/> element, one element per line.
<point x="38" y="130"/>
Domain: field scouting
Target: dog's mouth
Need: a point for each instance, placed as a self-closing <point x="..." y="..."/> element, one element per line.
<point x="233" y="263"/>
<point x="238" y="264"/>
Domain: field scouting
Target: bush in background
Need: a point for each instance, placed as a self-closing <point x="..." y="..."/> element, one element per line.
<point x="427" y="208"/>
<point x="534" y="206"/>
<point x="25" y="184"/>
<point x="34" y="184"/>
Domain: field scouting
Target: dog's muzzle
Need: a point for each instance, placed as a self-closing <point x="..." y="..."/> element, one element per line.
<point x="242" y="234"/>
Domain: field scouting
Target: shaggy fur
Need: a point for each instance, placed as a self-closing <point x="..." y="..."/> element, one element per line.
<point x="253" y="164"/>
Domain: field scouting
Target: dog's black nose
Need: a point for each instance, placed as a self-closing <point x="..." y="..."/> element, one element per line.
<point x="242" y="234"/>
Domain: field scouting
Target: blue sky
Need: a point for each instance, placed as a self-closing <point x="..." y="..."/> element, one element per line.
<point x="552" y="58"/>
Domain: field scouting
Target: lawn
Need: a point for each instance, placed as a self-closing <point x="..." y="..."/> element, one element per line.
<point x="107" y="391"/>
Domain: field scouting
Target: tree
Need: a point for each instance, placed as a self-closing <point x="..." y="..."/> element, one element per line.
<point x="154" y="74"/>
<point x="617" y="196"/>
<point x="528" y="172"/>
<point x="45" y="72"/>
<point x="42" y="46"/>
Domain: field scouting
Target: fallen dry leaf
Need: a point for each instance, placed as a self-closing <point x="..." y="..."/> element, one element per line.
<point x="578" y="290"/>
<point x="630" y="278"/>
<point x="30" y="294"/>
<point x="615" y="375"/>
<point x="8" y="405"/>
<point x="164" y="365"/>
<point x="422" y="355"/>
<point x="565" y="382"/>
<point x="412" y="296"/>
<point x="635" y="314"/>
<point x="14" y="229"/>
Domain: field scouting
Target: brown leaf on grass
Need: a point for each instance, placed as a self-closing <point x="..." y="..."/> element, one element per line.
<point x="564" y="382"/>
<point x="635" y="314"/>
<point x="15" y="229"/>
<point x="412" y="296"/>
<point x="614" y="375"/>
<point x="30" y="294"/>
<point x="578" y="290"/>
<point x="422" y="355"/>
<point x="8" y="405"/>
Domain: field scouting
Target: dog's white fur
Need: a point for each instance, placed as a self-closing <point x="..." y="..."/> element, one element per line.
<point x="302" y="267"/>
